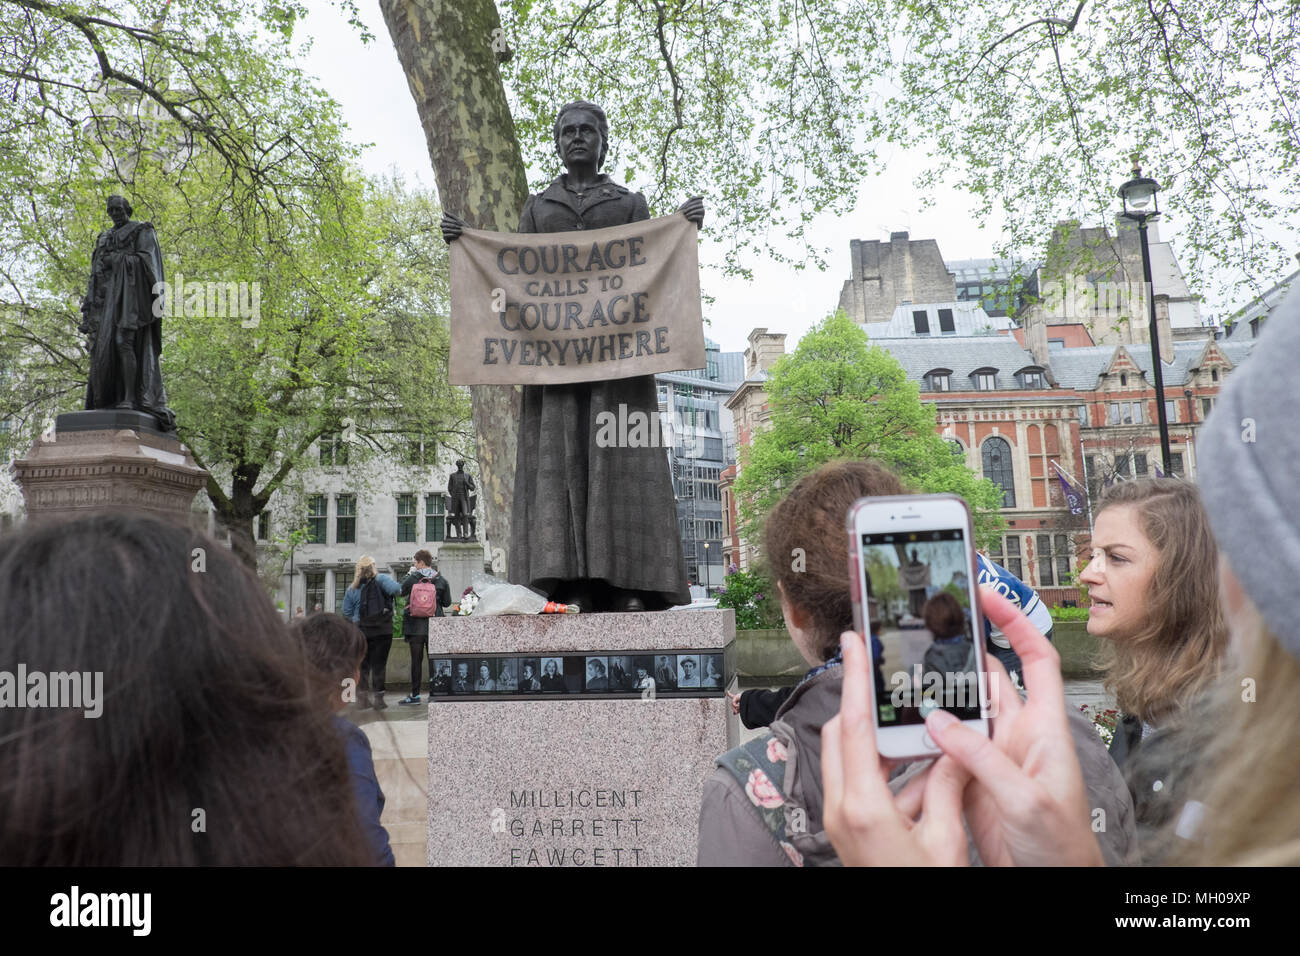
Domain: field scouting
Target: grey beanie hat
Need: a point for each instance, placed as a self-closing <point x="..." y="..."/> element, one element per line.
<point x="1248" y="471"/>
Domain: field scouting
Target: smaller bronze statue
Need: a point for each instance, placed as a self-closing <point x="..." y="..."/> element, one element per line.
<point x="122" y="327"/>
<point x="461" y="524"/>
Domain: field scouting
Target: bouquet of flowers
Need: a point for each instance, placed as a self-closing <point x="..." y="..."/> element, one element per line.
<point x="1103" y="719"/>
<point x="468" y="601"/>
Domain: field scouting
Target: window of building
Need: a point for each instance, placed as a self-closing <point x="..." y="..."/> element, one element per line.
<point x="1139" y="464"/>
<point x="342" y="580"/>
<point x="421" y="451"/>
<point x="1032" y="380"/>
<point x="1009" y="556"/>
<point x="333" y="449"/>
<point x="345" y="519"/>
<point x="435" y="517"/>
<point x="997" y="469"/>
<point x="406" y="518"/>
<point x="1083" y="415"/>
<point x="1126" y="413"/>
<point x="317" y="519"/>
<point x="1207" y="406"/>
<point x="1214" y="375"/>
<point x="1054" y="553"/>
<point x="939" y="381"/>
<point x="946" y="324"/>
<point x="986" y="381"/>
<point x="1054" y="344"/>
<point x="1123" y="379"/>
<point x="264" y="526"/>
<point x="958" y="451"/>
<point x="920" y="322"/>
<point x="1176" y="464"/>
<point x="315" y="590"/>
<point x="1254" y="328"/>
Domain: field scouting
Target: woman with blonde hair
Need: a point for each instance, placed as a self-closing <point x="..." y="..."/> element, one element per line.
<point x="1153" y="584"/>
<point x="368" y="603"/>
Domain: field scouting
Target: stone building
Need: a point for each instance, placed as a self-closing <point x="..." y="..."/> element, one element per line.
<point x="701" y="445"/>
<point x="748" y="405"/>
<point x="885" y="275"/>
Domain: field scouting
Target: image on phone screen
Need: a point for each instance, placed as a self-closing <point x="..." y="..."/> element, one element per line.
<point x="919" y="601"/>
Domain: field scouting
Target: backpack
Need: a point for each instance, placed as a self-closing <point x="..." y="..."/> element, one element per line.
<point x="376" y="607"/>
<point x="424" y="599"/>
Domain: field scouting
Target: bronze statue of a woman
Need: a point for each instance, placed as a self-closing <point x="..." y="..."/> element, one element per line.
<point x="595" y="526"/>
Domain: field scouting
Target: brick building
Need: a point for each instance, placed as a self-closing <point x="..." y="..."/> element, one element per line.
<point x="997" y="404"/>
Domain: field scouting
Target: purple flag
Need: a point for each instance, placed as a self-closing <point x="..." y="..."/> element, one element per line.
<point x="1072" y="497"/>
<point x="1159" y="473"/>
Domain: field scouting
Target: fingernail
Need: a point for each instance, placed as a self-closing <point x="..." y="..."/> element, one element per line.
<point x="939" y="721"/>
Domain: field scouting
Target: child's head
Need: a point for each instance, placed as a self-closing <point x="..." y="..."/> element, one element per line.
<point x="944" y="616"/>
<point x="335" y="648"/>
<point x="806" y="546"/>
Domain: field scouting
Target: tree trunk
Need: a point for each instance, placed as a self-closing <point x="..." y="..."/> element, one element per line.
<point x="448" y="53"/>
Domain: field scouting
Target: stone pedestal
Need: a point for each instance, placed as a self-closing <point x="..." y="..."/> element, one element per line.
<point x="104" y="460"/>
<point x="586" y="777"/>
<point x="458" y="563"/>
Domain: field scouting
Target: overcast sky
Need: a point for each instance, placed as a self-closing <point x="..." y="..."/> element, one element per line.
<point x="369" y="84"/>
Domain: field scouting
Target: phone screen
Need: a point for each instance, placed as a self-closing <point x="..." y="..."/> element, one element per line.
<point x="919" y="612"/>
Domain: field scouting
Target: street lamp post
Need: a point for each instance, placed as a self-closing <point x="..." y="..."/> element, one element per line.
<point x="1137" y="193"/>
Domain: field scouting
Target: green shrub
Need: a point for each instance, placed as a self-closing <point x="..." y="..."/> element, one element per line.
<point x="1069" y="613"/>
<point x="753" y="599"/>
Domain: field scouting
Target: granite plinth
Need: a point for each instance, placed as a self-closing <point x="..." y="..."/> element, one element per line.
<point x="81" y="470"/>
<point x="571" y="633"/>
<point x="572" y="782"/>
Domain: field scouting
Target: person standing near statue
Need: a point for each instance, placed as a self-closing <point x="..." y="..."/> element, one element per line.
<point x="460" y="508"/>
<point x="123" y="329"/>
<point x="593" y="526"/>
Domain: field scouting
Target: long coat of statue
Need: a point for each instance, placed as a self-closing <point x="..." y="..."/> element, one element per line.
<point x="582" y="512"/>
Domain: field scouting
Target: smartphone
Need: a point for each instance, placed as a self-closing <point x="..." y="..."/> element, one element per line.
<point x="913" y="579"/>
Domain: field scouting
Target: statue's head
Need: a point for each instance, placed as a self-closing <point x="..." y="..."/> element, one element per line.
<point x="460" y="465"/>
<point x="119" y="210"/>
<point x="570" y="121"/>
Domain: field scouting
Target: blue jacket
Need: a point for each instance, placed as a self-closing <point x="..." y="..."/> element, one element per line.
<point x="370" y="798"/>
<point x="352" y="597"/>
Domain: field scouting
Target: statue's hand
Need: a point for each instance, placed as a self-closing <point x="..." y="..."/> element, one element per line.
<point x="451" y="227"/>
<point x="693" y="209"/>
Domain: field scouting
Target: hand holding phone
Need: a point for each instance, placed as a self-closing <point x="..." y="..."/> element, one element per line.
<point x="913" y="581"/>
<point x="869" y="825"/>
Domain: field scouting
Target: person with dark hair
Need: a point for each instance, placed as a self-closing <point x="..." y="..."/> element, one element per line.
<point x="336" y="648"/>
<point x="951" y="651"/>
<point x="750" y="800"/>
<point x="593" y="526"/>
<point x="416" y="629"/>
<point x="212" y="712"/>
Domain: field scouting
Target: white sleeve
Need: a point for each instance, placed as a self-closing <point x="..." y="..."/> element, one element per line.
<point x="1039" y="615"/>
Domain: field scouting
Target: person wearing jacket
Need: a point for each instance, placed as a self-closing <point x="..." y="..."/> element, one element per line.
<point x="416" y="629"/>
<point x="379" y="636"/>
<point x="756" y="822"/>
<point x="1153" y="583"/>
<point x="336" y="648"/>
<point x="997" y="578"/>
